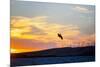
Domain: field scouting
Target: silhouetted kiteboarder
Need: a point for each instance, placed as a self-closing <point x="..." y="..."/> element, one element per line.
<point x="60" y="36"/>
<point x="62" y="44"/>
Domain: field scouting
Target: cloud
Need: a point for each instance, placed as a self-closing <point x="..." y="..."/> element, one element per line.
<point x="81" y="9"/>
<point x="31" y="27"/>
<point x="36" y="33"/>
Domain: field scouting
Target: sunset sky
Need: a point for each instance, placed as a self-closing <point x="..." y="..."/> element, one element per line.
<point x="34" y="26"/>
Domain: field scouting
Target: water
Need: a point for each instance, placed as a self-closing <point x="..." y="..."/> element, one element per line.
<point x="50" y="60"/>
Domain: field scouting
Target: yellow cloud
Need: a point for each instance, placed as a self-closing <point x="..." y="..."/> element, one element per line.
<point x="24" y="24"/>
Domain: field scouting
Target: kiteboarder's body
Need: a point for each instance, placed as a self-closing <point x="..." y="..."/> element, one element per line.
<point x="60" y="36"/>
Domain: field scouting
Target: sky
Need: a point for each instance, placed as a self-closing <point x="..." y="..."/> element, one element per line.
<point x="34" y="25"/>
<point x="89" y="2"/>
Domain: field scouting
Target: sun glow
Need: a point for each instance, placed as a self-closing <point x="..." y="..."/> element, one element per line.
<point x="13" y="50"/>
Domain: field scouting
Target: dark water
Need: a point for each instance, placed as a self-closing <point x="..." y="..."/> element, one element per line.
<point x="50" y="60"/>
